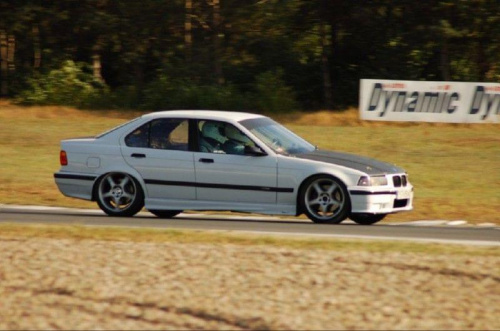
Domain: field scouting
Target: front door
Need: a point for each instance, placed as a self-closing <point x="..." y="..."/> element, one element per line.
<point x="224" y="173"/>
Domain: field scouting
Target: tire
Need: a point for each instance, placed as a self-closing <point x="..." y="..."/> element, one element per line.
<point x="367" y="219"/>
<point x="165" y="213"/>
<point x="324" y="199"/>
<point x="119" y="194"/>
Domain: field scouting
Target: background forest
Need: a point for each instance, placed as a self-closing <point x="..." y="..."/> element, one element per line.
<point x="260" y="55"/>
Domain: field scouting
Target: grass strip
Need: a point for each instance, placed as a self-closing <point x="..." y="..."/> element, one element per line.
<point x="134" y="235"/>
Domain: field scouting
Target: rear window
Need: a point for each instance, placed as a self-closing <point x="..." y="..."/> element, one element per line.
<point x="139" y="137"/>
<point x="116" y="128"/>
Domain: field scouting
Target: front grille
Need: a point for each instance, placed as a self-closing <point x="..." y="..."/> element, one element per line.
<point x="400" y="203"/>
<point x="399" y="181"/>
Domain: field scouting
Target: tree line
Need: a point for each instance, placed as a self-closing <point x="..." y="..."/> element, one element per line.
<point x="264" y="55"/>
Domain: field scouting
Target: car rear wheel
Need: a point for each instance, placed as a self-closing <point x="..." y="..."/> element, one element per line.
<point x="367" y="219"/>
<point x="165" y="213"/>
<point x="324" y="199"/>
<point x="119" y="194"/>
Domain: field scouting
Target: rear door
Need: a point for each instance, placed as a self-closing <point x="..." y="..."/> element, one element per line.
<point x="159" y="151"/>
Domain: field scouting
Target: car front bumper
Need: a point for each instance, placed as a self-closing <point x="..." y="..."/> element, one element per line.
<point x="381" y="200"/>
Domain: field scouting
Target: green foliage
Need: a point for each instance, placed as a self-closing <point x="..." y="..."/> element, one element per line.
<point x="270" y="95"/>
<point x="123" y="97"/>
<point x="68" y="85"/>
<point x="168" y="93"/>
<point x="273" y="95"/>
<point x="316" y="43"/>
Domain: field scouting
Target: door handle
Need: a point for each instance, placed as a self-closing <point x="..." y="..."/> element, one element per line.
<point x="206" y="160"/>
<point x="138" y="155"/>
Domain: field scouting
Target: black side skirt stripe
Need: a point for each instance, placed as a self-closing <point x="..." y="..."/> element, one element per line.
<point x="220" y="186"/>
<point x="371" y="193"/>
<point x="81" y="177"/>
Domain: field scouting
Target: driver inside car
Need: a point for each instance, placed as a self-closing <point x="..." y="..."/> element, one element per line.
<point x="211" y="139"/>
<point x="236" y="141"/>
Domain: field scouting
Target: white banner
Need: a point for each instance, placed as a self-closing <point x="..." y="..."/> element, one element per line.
<point x="404" y="100"/>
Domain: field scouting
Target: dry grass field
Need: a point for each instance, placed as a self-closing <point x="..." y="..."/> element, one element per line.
<point x="96" y="278"/>
<point x="455" y="168"/>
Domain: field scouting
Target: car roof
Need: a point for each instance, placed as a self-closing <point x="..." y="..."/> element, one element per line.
<point x="204" y="114"/>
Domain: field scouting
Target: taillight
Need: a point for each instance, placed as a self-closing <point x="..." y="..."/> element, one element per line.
<point x="63" y="158"/>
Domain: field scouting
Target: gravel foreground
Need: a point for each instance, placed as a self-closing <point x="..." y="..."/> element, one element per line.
<point x="90" y="284"/>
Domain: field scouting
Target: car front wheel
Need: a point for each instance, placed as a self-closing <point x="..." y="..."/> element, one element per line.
<point x="119" y="194"/>
<point x="324" y="199"/>
<point x="367" y="219"/>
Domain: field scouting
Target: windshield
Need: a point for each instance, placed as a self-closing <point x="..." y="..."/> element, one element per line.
<point x="277" y="137"/>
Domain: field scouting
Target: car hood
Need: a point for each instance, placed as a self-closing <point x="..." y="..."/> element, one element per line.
<point x="361" y="163"/>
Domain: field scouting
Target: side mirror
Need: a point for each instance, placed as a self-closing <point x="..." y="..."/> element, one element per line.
<point x="254" y="151"/>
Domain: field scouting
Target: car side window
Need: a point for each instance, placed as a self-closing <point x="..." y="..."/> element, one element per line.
<point x="139" y="137"/>
<point x="222" y="138"/>
<point x="170" y="134"/>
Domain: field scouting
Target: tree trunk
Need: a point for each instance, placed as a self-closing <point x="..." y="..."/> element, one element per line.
<point x="96" y="60"/>
<point x="4" y="66"/>
<point x="97" y="67"/>
<point x="37" y="52"/>
<point x="11" y="52"/>
<point x="445" y="61"/>
<point x="188" y="26"/>
<point x="325" y="68"/>
<point x="482" y="60"/>
<point x="139" y="77"/>
<point x="216" y="41"/>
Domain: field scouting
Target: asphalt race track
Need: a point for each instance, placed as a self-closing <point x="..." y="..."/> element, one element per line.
<point x="484" y="235"/>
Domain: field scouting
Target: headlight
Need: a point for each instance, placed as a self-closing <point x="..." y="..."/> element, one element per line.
<point x="364" y="181"/>
<point x="372" y="181"/>
<point x="379" y="180"/>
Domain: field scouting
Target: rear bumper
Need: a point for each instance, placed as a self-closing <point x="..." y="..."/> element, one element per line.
<point x="75" y="185"/>
<point x="381" y="201"/>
